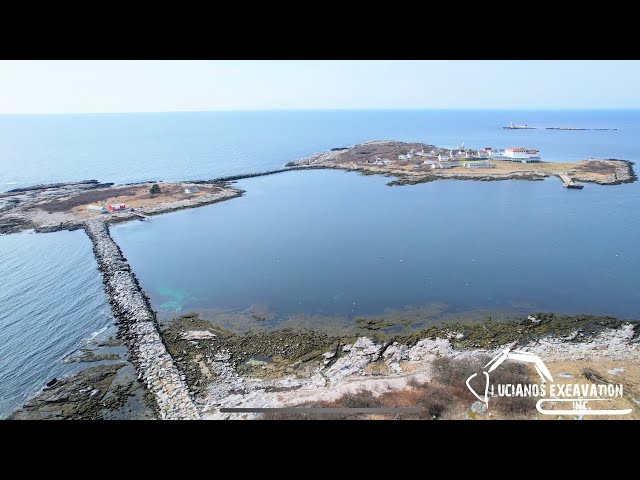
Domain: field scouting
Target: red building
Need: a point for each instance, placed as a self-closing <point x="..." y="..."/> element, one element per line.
<point x="116" y="207"/>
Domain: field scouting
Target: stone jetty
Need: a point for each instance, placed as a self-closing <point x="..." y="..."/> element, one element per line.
<point x="287" y="168"/>
<point x="138" y="327"/>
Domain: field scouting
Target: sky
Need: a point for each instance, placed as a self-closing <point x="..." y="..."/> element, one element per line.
<point x="158" y="86"/>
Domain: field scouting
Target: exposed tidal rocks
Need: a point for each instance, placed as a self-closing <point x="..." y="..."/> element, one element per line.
<point x="96" y="393"/>
<point x="137" y="326"/>
<point x="84" y="184"/>
<point x="303" y="367"/>
<point x="414" y="180"/>
<point x="624" y="173"/>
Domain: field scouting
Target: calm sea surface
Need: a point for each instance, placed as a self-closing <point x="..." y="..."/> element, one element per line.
<point x="51" y="303"/>
<point x="323" y="243"/>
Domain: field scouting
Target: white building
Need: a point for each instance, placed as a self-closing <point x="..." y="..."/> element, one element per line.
<point x="479" y="165"/>
<point x="440" y="166"/>
<point x="522" y="155"/>
<point x="191" y="189"/>
<point x="97" y="209"/>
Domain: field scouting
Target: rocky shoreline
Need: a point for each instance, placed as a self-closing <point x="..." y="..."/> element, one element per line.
<point x="383" y="158"/>
<point x="413" y="180"/>
<point x="223" y="369"/>
<point x="21" y="209"/>
<point x="303" y="367"/>
<point x="100" y="392"/>
<point x="138" y="327"/>
<point x="624" y="173"/>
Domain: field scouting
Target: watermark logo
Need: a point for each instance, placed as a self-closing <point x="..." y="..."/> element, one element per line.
<point x="576" y="398"/>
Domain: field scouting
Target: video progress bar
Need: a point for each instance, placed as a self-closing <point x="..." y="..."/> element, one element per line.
<point x="320" y="410"/>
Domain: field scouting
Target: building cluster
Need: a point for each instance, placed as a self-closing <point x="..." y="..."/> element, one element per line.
<point x="469" y="158"/>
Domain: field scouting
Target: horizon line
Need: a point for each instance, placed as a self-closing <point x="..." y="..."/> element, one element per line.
<point x="305" y="109"/>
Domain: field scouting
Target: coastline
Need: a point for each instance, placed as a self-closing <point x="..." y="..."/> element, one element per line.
<point x="168" y="362"/>
<point x="294" y="368"/>
<point x="31" y="207"/>
<point x="137" y="325"/>
<point x="379" y="158"/>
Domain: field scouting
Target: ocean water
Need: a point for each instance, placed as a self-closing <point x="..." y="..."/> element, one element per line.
<point x="312" y="241"/>
<point x="125" y="148"/>
<point x="52" y="302"/>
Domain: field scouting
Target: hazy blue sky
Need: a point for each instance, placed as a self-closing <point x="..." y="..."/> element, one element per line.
<point x="144" y="86"/>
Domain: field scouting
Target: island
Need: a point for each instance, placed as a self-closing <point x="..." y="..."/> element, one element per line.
<point x="413" y="163"/>
<point x="577" y="128"/>
<point x="513" y="126"/>
<point x="67" y="206"/>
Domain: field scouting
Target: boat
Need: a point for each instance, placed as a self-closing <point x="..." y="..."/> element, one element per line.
<point x="514" y="126"/>
<point x="574" y="185"/>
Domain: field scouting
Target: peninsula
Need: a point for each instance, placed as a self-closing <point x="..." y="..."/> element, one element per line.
<point x="67" y="206"/>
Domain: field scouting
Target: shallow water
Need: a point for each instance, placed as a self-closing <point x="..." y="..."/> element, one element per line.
<point x="52" y="302"/>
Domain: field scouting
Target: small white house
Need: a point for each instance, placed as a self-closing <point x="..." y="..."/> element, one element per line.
<point x="97" y="209"/>
<point x="440" y="166"/>
<point x="480" y="165"/>
<point x="191" y="189"/>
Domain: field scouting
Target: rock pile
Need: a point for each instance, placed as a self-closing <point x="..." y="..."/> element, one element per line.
<point x="137" y="326"/>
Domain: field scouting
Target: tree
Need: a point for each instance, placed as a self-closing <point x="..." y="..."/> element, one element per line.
<point x="155" y="188"/>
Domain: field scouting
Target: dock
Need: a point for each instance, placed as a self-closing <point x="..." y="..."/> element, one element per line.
<point x="568" y="181"/>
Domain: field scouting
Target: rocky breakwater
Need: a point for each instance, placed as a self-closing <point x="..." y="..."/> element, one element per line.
<point x="138" y="327"/>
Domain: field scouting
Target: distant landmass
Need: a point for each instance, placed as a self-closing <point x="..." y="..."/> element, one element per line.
<point x="515" y="126"/>
<point x="576" y="128"/>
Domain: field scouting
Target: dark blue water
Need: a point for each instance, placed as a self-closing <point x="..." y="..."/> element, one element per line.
<point x="499" y="245"/>
<point x="52" y="302"/>
<point x="177" y="146"/>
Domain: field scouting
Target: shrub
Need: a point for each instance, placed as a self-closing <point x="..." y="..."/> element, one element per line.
<point x="155" y="188"/>
<point x="448" y="371"/>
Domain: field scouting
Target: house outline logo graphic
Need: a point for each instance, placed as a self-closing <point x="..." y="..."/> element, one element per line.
<point x="580" y="406"/>
<point x="509" y="354"/>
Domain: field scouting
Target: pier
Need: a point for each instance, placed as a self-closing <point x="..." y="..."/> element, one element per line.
<point x="138" y="327"/>
<point x="568" y="181"/>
